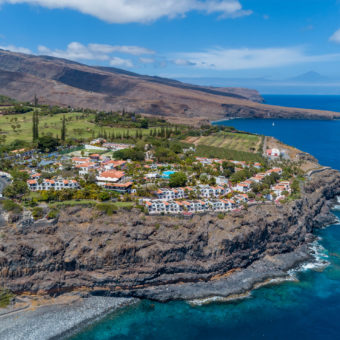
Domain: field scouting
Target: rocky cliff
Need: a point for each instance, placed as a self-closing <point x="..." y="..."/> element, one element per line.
<point x="130" y="254"/>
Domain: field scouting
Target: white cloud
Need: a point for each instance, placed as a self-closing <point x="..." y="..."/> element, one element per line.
<point x="78" y="51"/>
<point x="119" y="62"/>
<point x="127" y="11"/>
<point x="183" y="62"/>
<point x="246" y="58"/>
<point x="134" y="50"/>
<point x="16" y="49"/>
<point x="74" y="51"/>
<point x="335" y="37"/>
<point x="147" y="60"/>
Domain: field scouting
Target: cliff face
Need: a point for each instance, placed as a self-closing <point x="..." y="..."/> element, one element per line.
<point x="61" y="82"/>
<point x="128" y="253"/>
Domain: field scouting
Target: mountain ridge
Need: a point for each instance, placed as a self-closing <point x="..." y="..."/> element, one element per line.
<point x="63" y="82"/>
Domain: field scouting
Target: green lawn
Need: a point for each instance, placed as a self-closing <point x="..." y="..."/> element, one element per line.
<point x="231" y="141"/>
<point x="123" y="204"/>
<point x="72" y="203"/>
<point x="19" y="126"/>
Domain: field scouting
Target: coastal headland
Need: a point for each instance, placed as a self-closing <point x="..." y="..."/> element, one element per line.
<point x="81" y="267"/>
<point x="164" y="257"/>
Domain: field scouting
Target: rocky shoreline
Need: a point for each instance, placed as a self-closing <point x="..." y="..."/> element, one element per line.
<point x="58" y="320"/>
<point x="54" y="321"/>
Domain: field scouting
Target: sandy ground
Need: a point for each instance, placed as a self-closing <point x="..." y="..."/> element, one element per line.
<point x="53" y="319"/>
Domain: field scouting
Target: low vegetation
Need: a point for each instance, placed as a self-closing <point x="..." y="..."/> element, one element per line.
<point x="230" y="140"/>
<point x="6" y="297"/>
<point x="11" y="206"/>
<point x="223" y="153"/>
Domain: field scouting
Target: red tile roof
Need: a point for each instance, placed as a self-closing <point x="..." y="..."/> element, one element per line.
<point x="112" y="174"/>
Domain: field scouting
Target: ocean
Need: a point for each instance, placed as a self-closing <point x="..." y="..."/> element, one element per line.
<point x="307" y="307"/>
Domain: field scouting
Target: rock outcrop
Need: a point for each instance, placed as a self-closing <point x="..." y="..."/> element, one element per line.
<point x="130" y="254"/>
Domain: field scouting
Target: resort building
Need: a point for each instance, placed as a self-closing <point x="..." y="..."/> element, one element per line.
<point x="243" y="186"/>
<point x="123" y="188"/>
<point x="49" y="184"/>
<point x="110" y="176"/>
<point x="86" y="168"/>
<point x="273" y="153"/>
<point x="191" y="206"/>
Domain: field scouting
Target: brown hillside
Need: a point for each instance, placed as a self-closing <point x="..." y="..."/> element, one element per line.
<point x="66" y="83"/>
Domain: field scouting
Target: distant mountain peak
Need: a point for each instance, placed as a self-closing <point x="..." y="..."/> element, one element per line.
<point x="309" y="76"/>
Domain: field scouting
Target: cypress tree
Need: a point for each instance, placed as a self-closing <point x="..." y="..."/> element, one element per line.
<point x="35" y="126"/>
<point x="63" y="129"/>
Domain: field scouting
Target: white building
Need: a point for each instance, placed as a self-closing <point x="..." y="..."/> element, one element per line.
<point x="243" y="186"/>
<point x="157" y="207"/>
<point x="49" y="184"/>
<point x="86" y="168"/>
<point x="273" y="153"/>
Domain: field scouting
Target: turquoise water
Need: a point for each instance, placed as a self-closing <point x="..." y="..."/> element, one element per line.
<point x="307" y="309"/>
<point x="167" y="174"/>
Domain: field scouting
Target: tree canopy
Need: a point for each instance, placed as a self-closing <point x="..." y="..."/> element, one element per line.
<point x="178" y="179"/>
<point x="48" y="143"/>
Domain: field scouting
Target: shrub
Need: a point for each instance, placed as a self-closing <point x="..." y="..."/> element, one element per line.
<point x="9" y="205"/>
<point x="5" y="297"/>
<point x="107" y="208"/>
<point x="52" y="214"/>
<point x="104" y="196"/>
<point x="178" y="179"/>
<point x="37" y="213"/>
<point x="221" y="216"/>
<point x="16" y="189"/>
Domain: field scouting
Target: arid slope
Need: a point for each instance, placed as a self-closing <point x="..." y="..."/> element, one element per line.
<point x="62" y="82"/>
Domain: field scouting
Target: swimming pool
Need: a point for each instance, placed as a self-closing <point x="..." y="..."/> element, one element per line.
<point x="167" y="174"/>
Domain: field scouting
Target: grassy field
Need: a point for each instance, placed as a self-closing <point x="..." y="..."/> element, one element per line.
<point x="19" y="126"/>
<point x="72" y="203"/>
<point x="232" y="141"/>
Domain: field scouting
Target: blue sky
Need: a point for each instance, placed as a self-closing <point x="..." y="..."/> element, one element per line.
<point x="181" y="38"/>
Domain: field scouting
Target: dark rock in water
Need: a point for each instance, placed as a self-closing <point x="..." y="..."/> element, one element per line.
<point x="127" y="255"/>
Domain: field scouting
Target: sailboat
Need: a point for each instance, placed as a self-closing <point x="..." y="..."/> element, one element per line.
<point x="273" y="124"/>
